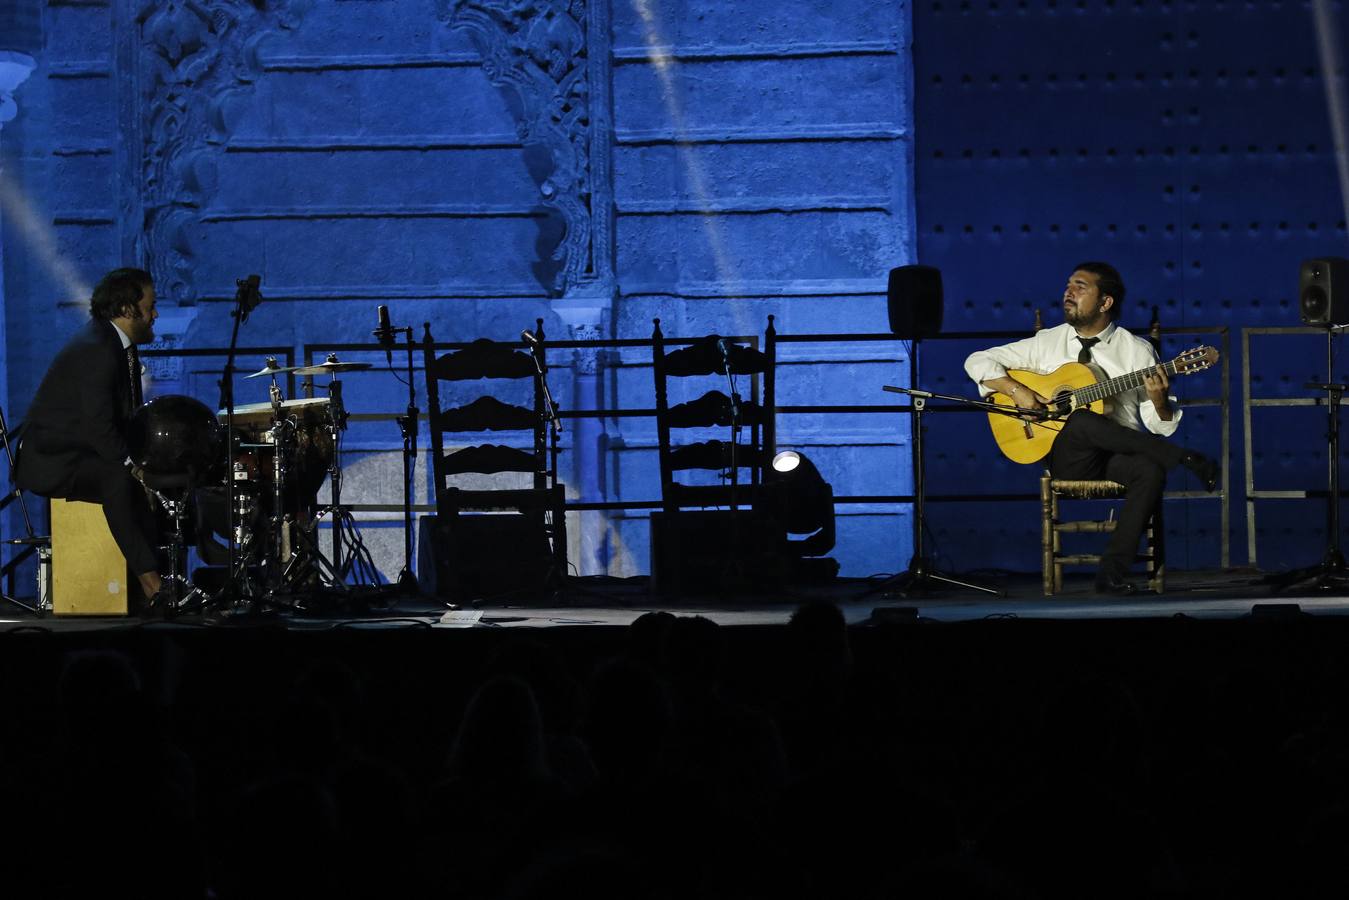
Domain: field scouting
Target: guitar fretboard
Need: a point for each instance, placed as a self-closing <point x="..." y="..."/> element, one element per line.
<point x="1118" y="385"/>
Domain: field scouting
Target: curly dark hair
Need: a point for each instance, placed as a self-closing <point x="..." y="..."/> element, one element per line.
<point x="1109" y="281"/>
<point x="119" y="293"/>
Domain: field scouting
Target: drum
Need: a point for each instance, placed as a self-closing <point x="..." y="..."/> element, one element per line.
<point x="253" y="450"/>
<point x="175" y="439"/>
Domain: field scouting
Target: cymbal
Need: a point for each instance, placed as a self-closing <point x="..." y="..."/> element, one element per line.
<point x="274" y="370"/>
<point x="332" y="367"/>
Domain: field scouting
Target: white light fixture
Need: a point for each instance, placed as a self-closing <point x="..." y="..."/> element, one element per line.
<point x="786" y="461"/>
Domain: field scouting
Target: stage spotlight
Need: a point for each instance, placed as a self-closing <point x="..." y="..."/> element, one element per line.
<point x="804" y="504"/>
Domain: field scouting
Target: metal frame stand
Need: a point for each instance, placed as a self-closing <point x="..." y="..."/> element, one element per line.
<point x="1330" y="574"/>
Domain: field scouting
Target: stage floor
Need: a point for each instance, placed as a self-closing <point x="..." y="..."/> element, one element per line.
<point x="608" y="602"/>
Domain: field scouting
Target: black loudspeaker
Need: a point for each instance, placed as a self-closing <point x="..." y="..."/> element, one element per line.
<point x="915" y="302"/>
<point x="484" y="556"/>
<point x="704" y="549"/>
<point x="1323" y="291"/>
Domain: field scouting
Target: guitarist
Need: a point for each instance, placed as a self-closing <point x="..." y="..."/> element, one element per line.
<point x="1127" y="444"/>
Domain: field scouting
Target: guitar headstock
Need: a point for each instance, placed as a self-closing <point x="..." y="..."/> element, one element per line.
<point x="1196" y="359"/>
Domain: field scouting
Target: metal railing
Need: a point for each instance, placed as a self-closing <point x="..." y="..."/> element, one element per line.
<point x="312" y="351"/>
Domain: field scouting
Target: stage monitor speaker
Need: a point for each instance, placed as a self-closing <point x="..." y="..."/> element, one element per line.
<point x="483" y="556"/>
<point x="1323" y="291"/>
<point x="915" y="299"/>
<point x="703" y="549"/>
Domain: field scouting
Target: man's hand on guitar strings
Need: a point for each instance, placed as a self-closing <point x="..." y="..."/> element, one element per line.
<point x="1025" y="398"/>
<point x="1157" y="384"/>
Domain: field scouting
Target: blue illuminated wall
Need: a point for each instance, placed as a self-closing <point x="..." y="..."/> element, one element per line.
<point x="706" y="162"/>
<point x="741" y="159"/>
<point x="1187" y="142"/>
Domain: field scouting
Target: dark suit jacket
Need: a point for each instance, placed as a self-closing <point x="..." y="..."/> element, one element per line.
<point x="80" y="410"/>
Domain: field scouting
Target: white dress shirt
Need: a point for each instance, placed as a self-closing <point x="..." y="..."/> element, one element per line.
<point x="1118" y="352"/>
<point x="121" y="335"/>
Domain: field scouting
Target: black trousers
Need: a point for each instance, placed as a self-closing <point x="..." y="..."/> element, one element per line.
<point x="125" y="504"/>
<point x="1090" y="446"/>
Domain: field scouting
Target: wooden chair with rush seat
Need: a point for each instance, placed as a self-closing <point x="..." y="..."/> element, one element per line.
<point x="1052" y="490"/>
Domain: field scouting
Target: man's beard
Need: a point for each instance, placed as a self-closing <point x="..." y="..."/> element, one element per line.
<point x="142" y="331"/>
<point x="1074" y="316"/>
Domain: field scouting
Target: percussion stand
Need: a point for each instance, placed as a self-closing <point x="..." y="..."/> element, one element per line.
<point x="337" y="569"/>
<point x="337" y="423"/>
<point x="282" y="430"/>
<point x="288" y="540"/>
<point x="176" y="507"/>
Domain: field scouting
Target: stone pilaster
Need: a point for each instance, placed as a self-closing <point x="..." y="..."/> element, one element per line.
<point x="15" y="68"/>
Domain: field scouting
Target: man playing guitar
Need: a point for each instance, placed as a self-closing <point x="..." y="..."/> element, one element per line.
<point x="1111" y="445"/>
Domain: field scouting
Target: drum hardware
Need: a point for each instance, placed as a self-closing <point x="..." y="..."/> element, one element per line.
<point x="174" y="439"/>
<point x="271" y="368"/>
<point x="350" y="557"/>
<point x="30" y="542"/>
<point x="183" y="594"/>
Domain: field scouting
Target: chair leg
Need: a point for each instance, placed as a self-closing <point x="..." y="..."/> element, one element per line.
<point x="1046" y="536"/>
<point x="1157" y="552"/>
<point x="1058" y="544"/>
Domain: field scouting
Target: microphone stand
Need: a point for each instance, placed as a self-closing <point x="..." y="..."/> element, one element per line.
<point x="921" y="574"/>
<point x="1330" y="574"/>
<point x="549" y="413"/>
<point x="733" y="568"/>
<point x="722" y="345"/>
<point x="541" y="373"/>
<point x="246" y="299"/>
<point x="407" y="426"/>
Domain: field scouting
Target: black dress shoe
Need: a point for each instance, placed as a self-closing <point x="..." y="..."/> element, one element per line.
<point x="1207" y="470"/>
<point x="161" y="605"/>
<point x="1115" y="587"/>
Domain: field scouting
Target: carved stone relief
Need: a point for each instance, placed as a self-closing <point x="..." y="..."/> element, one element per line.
<point x="15" y="68"/>
<point x="196" y="60"/>
<point x="541" y="50"/>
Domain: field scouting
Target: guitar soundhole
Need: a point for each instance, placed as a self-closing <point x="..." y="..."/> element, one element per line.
<point x="1062" y="403"/>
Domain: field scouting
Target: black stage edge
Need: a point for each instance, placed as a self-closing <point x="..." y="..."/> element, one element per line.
<point x="1004" y="755"/>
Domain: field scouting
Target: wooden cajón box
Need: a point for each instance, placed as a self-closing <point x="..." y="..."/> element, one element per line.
<point x="89" y="573"/>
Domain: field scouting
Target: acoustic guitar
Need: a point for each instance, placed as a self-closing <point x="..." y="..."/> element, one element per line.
<point x="1070" y="387"/>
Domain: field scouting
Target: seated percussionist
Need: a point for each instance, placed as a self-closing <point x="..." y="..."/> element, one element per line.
<point x="74" y="445"/>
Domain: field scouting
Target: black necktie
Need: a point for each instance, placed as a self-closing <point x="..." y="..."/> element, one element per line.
<point x="133" y="364"/>
<point x="1084" y="356"/>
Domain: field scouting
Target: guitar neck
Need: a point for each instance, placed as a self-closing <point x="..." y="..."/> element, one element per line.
<point x="1103" y="389"/>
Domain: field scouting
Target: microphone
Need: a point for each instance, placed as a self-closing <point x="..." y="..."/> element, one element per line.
<point x="725" y="347"/>
<point x="384" y="333"/>
<point x="248" y="295"/>
<point x="529" y="338"/>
